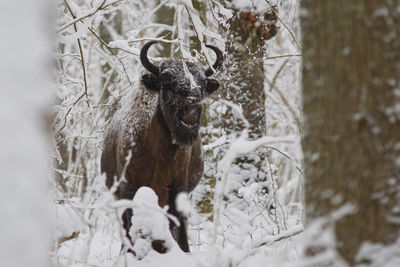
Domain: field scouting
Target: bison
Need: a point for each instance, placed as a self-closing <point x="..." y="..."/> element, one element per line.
<point x="158" y="123"/>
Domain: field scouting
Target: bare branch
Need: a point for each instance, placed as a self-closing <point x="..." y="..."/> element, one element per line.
<point x="282" y="96"/>
<point x="288" y="157"/>
<point x="112" y="52"/>
<point x="284" y="24"/>
<point x="75" y="20"/>
<point x="287" y="234"/>
<point x="275" y="57"/>
<point x="69" y="110"/>
<point x="277" y="74"/>
<point x="84" y="75"/>
<point x="176" y="41"/>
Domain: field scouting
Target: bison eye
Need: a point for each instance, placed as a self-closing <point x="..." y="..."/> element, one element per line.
<point x="168" y="79"/>
<point x="212" y="85"/>
<point x="167" y="75"/>
<point x="169" y="85"/>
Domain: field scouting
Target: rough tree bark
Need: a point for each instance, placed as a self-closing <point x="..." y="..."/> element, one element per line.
<point x="243" y="82"/>
<point x="247" y="33"/>
<point x="351" y="142"/>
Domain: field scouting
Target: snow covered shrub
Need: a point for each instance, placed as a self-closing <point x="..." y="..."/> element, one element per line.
<point x="150" y="225"/>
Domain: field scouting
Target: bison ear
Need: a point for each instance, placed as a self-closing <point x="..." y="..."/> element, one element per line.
<point x="151" y="81"/>
<point x="212" y="85"/>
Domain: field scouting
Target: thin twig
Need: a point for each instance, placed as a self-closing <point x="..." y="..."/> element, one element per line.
<point x="284" y="25"/>
<point x="153" y="39"/>
<point x="277" y="74"/>
<point x="291" y="110"/>
<point x="286" y="156"/>
<point x="75" y="20"/>
<point x="219" y="5"/>
<point x="275" y="57"/>
<point x="284" y="235"/>
<point x="80" y="51"/>
<point x="66" y="115"/>
<point x="84" y="75"/>
<point x="275" y="198"/>
<point x="281" y="95"/>
<point x="111" y="51"/>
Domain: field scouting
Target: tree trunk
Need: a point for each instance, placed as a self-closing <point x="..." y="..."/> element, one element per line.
<point x="247" y="34"/>
<point x="243" y="82"/>
<point x="351" y="142"/>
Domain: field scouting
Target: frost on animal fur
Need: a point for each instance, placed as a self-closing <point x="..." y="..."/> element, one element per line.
<point x="158" y="123"/>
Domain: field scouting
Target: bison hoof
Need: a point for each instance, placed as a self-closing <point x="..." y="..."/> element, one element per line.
<point x="159" y="246"/>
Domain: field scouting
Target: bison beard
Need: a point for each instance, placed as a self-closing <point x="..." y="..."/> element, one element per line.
<point x="159" y="123"/>
<point x="184" y="129"/>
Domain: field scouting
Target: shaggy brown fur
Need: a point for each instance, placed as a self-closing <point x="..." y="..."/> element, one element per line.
<point x="158" y="124"/>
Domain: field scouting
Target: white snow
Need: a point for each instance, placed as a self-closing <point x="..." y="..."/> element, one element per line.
<point x="149" y="221"/>
<point x="380" y="255"/>
<point x="66" y="221"/>
<point x="183" y="203"/>
<point x="25" y="227"/>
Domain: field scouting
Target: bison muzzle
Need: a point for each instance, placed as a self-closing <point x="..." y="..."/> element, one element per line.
<point x="158" y="123"/>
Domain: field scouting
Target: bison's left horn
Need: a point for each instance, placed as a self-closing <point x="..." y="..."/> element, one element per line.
<point x="145" y="61"/>
<point x="218" y="62"/>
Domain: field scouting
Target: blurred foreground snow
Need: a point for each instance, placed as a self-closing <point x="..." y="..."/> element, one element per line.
<point x="24" y="52"/>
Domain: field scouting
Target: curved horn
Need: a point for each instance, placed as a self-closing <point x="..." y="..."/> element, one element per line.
<point x="218" y="62"/>
<point x="145" y="61"/>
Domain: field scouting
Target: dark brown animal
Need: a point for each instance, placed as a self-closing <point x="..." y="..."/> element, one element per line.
<point x="159" y="123"/>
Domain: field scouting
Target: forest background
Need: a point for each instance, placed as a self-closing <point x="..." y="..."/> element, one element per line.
<point x="248" y="209"/>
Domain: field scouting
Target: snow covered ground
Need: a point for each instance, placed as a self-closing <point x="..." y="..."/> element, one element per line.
<point x="234" y="246"/>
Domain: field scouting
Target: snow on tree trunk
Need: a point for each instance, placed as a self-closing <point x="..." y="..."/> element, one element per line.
<point x="250" y="25"/>
<point x="248" y="30"/>
<point x="351" y="141"/>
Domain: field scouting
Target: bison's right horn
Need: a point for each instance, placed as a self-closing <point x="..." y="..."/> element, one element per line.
<point x="145" y="61"/>
<point x="218" y="62"/>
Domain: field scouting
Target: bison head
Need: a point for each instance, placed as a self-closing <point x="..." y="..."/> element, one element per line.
<point x="181" y="85"/>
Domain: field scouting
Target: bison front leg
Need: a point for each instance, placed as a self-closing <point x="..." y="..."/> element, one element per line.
<point x="127" y="223"/>
<point x="178" y="232"/>
<point x="182" y="237"/>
